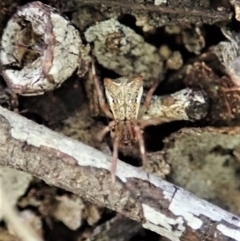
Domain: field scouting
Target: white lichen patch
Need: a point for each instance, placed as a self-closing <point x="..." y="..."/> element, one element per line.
<point x="40" y="49"/>
<point x="191" y="213"/>
<point x="162" y="224"/>
<point x="175" y="61"/>
<point x="229" y="232"/>
<point x="69" y="211"/>
<point x="30" y="219"/>
<point x="142" y="21"/>
<point x="193" y="40"/>
<point x="159" y="2"/>
<point x="119" y="48"/>
<point x="13" y="183"/>
<point x="92" y="214"/>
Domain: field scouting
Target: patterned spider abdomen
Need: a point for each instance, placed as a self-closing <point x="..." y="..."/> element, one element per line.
<point x="124" y="97"/>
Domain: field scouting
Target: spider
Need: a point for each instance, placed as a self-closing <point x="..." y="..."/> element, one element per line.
<point x="123" y="106"/>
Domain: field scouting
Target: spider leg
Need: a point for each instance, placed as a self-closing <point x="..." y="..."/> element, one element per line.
<point x="100" y="94"/>
<point x="139" y="136"/>
<point x="231" y="89"/>
<point x="148" y="98"/>
<point x="155" y="121"/>
<point x="114" y="160"/>
<point x="105" y="130"/>
<point x="102" y="133"/>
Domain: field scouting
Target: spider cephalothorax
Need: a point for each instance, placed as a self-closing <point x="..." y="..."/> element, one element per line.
<point x="124" y="107"/>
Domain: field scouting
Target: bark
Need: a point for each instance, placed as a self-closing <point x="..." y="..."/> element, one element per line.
<point x="152" y="13"/>
<point x="160" y="206"/>
<point x="119" y="228"/>
<point x="158" y="13"/>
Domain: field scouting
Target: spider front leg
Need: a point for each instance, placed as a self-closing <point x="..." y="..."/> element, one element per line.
<point x="114" y="159"/>
<point x="155" y="121"/>
<point x="100" y="94"/>
<point x="148" y="98"/>
<point x="105" y="130"/>
<point x="100" y="137"/>
<point x="139" y="135"/>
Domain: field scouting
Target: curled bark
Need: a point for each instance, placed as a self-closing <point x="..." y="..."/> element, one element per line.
<point x="160" y="206"/>
<point x="40" y="50"/>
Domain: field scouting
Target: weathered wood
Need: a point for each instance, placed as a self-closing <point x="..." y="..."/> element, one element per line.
<point x="160" y="206"/>
<point x="157" y="13"/>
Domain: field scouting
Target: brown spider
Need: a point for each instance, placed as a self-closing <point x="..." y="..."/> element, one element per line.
<point x="124" y="107"/>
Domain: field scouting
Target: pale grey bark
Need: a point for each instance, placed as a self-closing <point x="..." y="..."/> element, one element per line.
<point x="160" y="206"/>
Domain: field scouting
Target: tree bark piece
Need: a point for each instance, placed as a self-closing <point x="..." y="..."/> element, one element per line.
<point x="119" y="228"/>
<point x="209" y="165"/>
<point x="160" y="206"/>
<point x="40" y="50"/>
<point x="156" y="13"/>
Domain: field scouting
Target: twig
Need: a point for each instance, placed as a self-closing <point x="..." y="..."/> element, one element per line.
<point x="159" y="13"/>
<point x="160" y="206"/>
<point x="186" y="104"/>
<point x="44" y="51"/>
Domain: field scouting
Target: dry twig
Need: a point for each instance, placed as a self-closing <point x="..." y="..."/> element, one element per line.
<point x="158" y="205"/>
